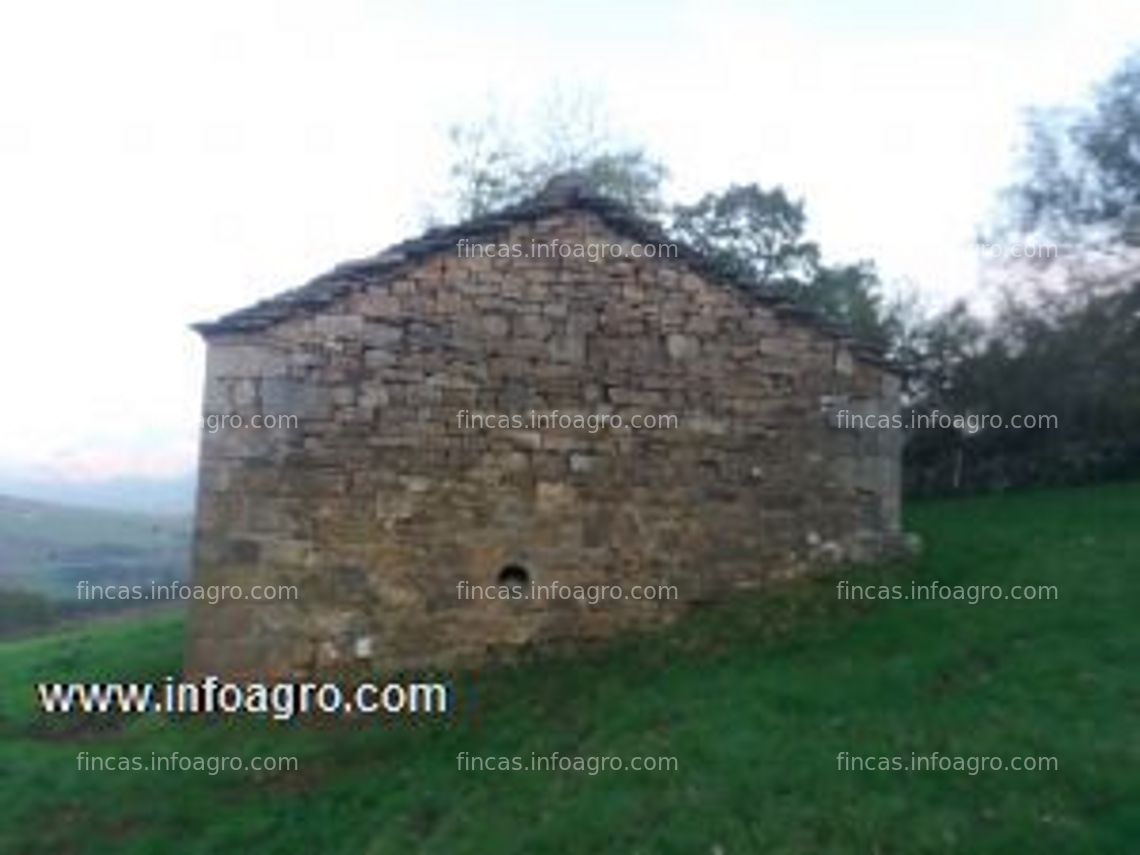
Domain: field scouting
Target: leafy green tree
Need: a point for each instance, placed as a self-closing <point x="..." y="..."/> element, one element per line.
<point x="1080" y="179"/>
<point x="748" y="233"/>
<point x="851" y="296"/>
<point x="494" y="166"/>
<point x="751" y="234"/>
<point x="1064" y="346"/>
<point x="758" y="236"/>
<point x="1070" y="361"/>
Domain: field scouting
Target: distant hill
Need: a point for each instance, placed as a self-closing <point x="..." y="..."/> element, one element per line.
<point x="173" y="496"/>
<point x="47" y="548"/>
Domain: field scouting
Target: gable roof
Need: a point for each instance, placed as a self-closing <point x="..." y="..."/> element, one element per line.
<point x="567" y="192"/>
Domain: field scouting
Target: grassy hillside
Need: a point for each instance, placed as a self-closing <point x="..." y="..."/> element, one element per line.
<point x="45" y="549"/>
<point x="755" y="700"/>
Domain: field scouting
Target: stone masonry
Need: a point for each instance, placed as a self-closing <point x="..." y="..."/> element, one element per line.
<point x="377" y="502"/>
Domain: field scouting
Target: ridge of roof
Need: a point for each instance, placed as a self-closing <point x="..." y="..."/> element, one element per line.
<point x="563" y="192"/>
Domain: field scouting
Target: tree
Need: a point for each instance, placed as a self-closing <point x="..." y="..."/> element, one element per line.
<point x="751" y="234"/>
<point x="1064" y="343"/>
<point x="850" y="296"/>
<point x="748" y="233"/>
<point x="757" y="236"/>
<point x="1080" y="177"/>
<point x="495" y="165"/>
<point x="1068" y="361"/>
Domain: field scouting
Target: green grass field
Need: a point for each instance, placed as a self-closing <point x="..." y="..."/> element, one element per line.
<point x="755" y="700"/>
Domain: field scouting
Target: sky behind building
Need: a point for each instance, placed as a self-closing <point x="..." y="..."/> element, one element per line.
<point x="161" y="164"/>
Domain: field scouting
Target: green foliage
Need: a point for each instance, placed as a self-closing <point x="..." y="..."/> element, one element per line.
<point x="755" y="699"/>
<point x="491" y="170"/>
<point x="1073" y="355"/>
<point x="850" y="296"/>
<point x="751" y="234"/>
<point x="1065" y="345"/>
<point x="757" y="236"/>
<point x="748" y="233"/>
<point x="1081" y="171"/>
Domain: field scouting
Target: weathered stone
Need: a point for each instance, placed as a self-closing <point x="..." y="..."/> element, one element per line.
<point x="383" y="497"/>
<point x="582" y="462"/>
<point x="681" y="346"/>
<point x="496" y="326"/>
<point x="381" y="335"/>
<point x="246" y="360"/>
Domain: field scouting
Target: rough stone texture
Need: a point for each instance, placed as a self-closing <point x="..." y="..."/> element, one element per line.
<point x="377" y="503"/>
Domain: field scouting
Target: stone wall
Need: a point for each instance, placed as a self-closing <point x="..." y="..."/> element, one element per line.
<point x="376" y="503"/>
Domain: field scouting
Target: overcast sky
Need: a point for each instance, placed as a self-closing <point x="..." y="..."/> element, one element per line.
<point x="162" y="163"/>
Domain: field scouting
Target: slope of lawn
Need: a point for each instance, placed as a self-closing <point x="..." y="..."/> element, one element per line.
<point x="755" y="700"/>
<point x="48" y="547"/>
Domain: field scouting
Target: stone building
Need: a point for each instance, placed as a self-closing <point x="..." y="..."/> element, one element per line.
<point x="378" y="492"/>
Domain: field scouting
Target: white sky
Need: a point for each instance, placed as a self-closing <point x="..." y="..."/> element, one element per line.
<point x="161" y="163"/>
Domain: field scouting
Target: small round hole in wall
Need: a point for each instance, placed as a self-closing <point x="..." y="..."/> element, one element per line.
<point x="514" y="576"/>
